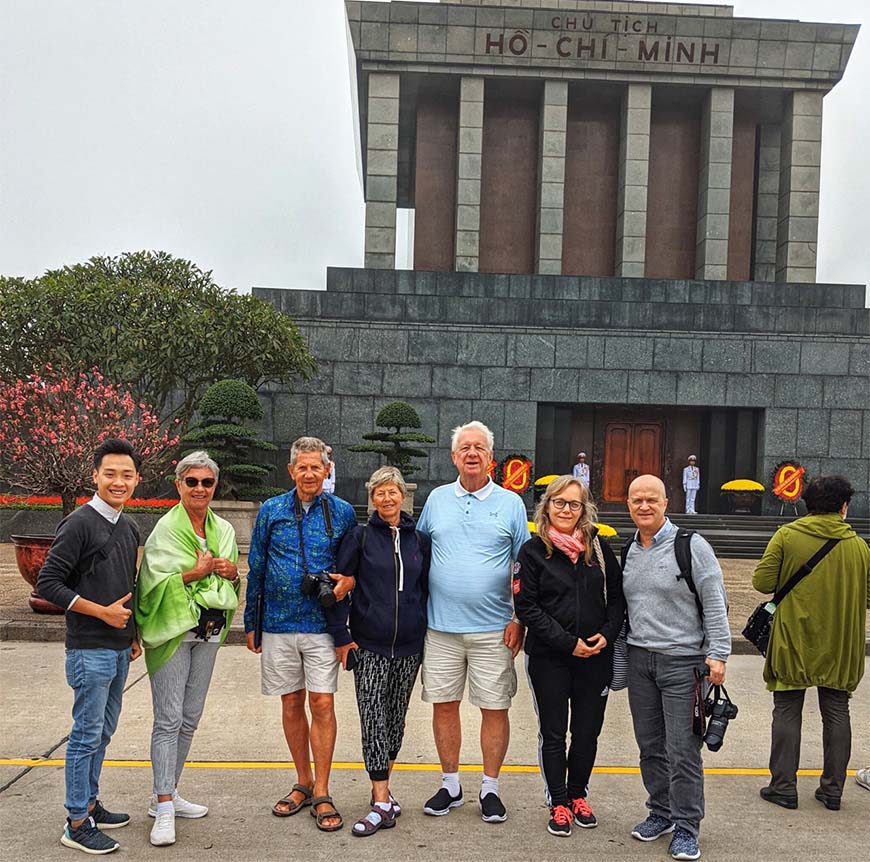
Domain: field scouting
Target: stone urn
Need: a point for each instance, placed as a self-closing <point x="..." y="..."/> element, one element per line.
<point x="241" y="515"/>
<point x="30" y="554"/>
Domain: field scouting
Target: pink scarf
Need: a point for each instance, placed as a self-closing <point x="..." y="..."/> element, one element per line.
<point x="571" y="546"/>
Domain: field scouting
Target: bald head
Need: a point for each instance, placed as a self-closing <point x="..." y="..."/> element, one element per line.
<point x="647" y="504"/>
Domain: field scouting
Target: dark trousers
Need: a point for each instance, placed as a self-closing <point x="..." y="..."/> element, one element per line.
<point x="661" y="694"/>
<point x="785" y="740"/>
<point x="559" y="685"/>
<point x="383" y="690"/>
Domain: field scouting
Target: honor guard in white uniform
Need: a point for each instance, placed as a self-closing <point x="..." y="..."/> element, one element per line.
<point x="581" y="469"/>
<point x="691" y="483"/>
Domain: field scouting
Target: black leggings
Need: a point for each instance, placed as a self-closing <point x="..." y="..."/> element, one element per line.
<point x="383" y="689"/>
<point x="556" y="683"/>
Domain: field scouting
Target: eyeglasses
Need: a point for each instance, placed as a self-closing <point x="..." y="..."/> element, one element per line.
<point x="192" y="483"/>
<point x="573" y="505"/>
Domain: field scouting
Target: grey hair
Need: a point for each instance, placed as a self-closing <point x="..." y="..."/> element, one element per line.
<point x="309" y="444"/>
<point x="474" y="425"/>
<point x="387" y="476"/>
<point x="199" y="458"/>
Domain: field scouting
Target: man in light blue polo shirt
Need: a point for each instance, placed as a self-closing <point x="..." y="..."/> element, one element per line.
<point x="477" y="529"/>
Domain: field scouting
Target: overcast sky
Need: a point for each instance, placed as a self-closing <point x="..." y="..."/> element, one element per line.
<point x="223" y="132"/>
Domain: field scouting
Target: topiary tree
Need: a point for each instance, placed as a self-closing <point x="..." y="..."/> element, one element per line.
<point x="396" y="415"/>
<point x="221" y="431"/>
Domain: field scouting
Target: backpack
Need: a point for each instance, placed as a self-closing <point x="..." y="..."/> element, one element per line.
<point x="683" y="553"/>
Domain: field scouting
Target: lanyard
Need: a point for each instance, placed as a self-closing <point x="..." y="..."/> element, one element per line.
<point x="299" y="512"/>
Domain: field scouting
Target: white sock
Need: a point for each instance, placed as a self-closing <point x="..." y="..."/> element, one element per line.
<point x="165" y="807"/>
<point x="450" y="780"/>
<point x="488" y="785"/>
<point x="384" y="806"/>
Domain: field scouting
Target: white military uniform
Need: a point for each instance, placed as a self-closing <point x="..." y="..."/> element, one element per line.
<point x="691" y="484"/>
<point x="581" y="472"/>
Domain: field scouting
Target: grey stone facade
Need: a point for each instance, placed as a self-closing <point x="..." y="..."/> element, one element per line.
<point x="492" y="347"/>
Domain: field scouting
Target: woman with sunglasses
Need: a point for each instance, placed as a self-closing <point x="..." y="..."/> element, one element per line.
<point x="187" y="591"/>
<point x="568" y="593"/>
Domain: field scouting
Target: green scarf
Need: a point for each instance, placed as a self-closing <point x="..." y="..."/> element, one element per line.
<point x="166" y="608"/>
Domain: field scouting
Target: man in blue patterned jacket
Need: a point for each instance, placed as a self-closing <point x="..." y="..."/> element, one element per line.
<point x="295" y="533"/>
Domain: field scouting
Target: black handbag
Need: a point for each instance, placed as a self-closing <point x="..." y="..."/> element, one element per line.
<point x="211" y="623"/>
<point x="758" y="626"/>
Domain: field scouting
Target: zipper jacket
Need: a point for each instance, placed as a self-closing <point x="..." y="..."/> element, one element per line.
<point x="560" y="601"/>
<point x="386" y="612"/>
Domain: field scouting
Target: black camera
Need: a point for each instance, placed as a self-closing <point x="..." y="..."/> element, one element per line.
<point x="720" y="710"/>
<point x="320" y="587"/>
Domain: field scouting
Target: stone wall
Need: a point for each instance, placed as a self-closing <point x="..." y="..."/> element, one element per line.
<point x="467" y="345"/>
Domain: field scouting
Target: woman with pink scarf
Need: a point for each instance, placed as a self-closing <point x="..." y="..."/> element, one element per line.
<point x="568" y="593"/>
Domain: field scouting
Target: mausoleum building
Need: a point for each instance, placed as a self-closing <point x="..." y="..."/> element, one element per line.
<point x="614" y="246"/>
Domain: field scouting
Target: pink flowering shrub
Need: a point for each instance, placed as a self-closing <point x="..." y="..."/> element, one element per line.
<point x="51" y="422"/>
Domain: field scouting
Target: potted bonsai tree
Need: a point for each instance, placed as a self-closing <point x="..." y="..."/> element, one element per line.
<point x="392" y="444"/>
<point x="224" y="410"/>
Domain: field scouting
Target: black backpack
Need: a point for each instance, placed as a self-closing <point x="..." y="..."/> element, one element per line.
<point x="683" y="553"/>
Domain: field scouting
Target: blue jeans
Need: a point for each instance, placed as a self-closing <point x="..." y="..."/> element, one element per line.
<point x="97" y="678"/>
<point x="660" y="695"/>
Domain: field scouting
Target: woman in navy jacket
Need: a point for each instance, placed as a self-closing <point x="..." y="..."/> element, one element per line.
<point x="384" y="622"/>
<point x="568" y="593"/>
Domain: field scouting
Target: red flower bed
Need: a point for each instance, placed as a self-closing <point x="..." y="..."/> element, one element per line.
<point x="52" y="501"/>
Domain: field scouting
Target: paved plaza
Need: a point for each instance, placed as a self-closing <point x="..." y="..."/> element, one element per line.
<point x="239" y="767"/>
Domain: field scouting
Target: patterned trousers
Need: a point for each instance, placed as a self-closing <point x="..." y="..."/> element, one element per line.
<point x="383" y="690"/>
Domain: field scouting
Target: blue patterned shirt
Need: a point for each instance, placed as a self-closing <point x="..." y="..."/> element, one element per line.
<point x="275" y="557"/>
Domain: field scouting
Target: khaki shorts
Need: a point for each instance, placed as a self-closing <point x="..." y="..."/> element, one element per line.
<point x="482" y="656"/>
<point x="290" y="662"/>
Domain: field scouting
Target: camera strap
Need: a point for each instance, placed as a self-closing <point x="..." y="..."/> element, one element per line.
<point x="699" y="718"/>
<point x="299" y="513"/>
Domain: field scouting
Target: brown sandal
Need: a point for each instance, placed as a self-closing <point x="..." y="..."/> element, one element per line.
<point x="320" y="816"/>
<point x="293" y="807"/>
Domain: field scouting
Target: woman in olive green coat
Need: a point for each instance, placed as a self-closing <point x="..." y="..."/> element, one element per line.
<point x="817" y="638"/>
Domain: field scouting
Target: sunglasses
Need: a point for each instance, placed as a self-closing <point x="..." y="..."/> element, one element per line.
<point x="192" y="483"/>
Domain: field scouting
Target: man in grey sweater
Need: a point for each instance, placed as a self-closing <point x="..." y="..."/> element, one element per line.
<point x="670" y="645"/>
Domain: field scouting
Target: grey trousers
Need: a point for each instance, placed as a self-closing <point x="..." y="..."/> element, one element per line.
<point x="178" y="692"/>
<point x="785" y="740"/>
<point x="660" y="695"/>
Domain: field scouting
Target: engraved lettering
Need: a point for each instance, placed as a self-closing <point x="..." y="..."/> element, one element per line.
<point x="497" y="43"/>
<point x="685" y="53"/>
<point x="668" y="49"/>
<point x="710" y="52"/>
<point x="648" y="54"/>
<point x="652" y="26"/>
<point x="637" y="26"/>
<point x="556" y="23"/>
<point x="563" y="40"/>
<point x="615" y="22"/>
<point x="518" y="44"/>
<point x="586" y="49"/>
<point x="587" y="22"/>
<point x="570" y="23"/>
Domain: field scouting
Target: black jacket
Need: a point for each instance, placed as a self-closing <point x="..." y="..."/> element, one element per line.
<point x="560" y="601"/>
<point x="387" y="607"/>
<point x="75" y="566"/>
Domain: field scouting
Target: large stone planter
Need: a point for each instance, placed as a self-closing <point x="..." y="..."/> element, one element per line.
<point x="242" y="516"/>
<point x="30" y="554"/>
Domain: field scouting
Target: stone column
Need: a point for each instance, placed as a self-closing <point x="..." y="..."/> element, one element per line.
<point x="798" y="213"/>
<point x="470" y="151"/>
<point x="714" y="184"/>
<point x="767" y="203"/>
<point x="382" y="147"/>
<point x="633" y="181"/>
<point x="551" y="177"/>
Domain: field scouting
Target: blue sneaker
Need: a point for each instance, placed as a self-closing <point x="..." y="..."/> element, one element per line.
<point x="88" y="838"/>
<point x="653" y="827"/>
<point x="684" y="845"/>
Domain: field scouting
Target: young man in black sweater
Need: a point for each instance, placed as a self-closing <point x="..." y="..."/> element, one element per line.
<point x="91" y="571"/>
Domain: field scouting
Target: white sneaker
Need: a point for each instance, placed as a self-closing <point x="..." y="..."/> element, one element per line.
<point x="183" y="808"/>
<point x="163" y="830"/>
<point x="862" y="778"/>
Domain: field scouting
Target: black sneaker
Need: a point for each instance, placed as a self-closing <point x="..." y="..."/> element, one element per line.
<point x="441" y="803"/>
<point x="491" y="808"/>
<point x="560" y="821"/>
<point x="88" y="838"/>
<point x="768" y="794"/>
<point x="832" y="803"/>
<point x="108" y="819"/>
<point x="583" y="815"/>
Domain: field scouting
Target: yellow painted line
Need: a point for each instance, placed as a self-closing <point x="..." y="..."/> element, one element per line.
<point x="399" y="767"/>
